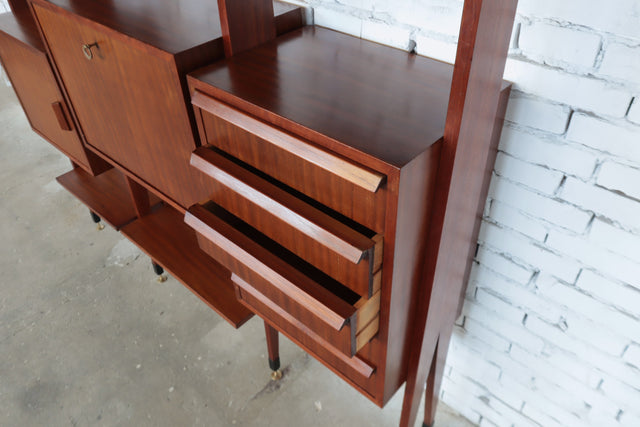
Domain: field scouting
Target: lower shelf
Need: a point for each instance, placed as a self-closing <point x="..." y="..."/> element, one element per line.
<point x="165" y="237"/>
<point x="106" y="194"/>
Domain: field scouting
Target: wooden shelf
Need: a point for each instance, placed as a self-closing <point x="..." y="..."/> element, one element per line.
<point x="106" y="194"/>
<point x="165" y="237"/>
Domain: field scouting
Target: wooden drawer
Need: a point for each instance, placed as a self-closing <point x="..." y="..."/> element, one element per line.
<point x="349" y="188"/>
<point x="352" y="256"/>
<point x="354" y="368"/>
<point x="324" y="306"/>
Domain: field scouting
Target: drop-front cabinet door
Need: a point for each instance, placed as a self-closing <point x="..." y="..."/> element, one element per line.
<point x="127" y="98"/>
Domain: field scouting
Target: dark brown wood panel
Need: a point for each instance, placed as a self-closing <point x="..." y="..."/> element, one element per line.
<point x="330" y="245"/>
<point x="28" y="69"/>
<point x="237" y="16"/>
<point x="169" y="25"/>
<point x="115" y="98"/>
<point x="106" y="194"/>
<point x="364" y="203"/>
<point x="482" y="49"/>
<point x="172" y="26"/>
<point x="412" y="217"/>
<point x="165" y="237"/>
<point x="352" y="96"/>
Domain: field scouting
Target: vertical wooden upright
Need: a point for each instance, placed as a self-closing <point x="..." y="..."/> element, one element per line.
<point x="16" y="5"/>
<point x="469" y="132"/>
<point x="245" y="24"/>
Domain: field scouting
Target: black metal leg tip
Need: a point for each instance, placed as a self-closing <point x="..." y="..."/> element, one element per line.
<point x="274" y="364"/>
<point x="157" y="269"/>
<point x="427" y="425"/>
<point x="94" y="217"/>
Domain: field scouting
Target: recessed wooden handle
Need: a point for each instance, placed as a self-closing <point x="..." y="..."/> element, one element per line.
<point x="355" y="174"/>
<point x="61" y="116"/>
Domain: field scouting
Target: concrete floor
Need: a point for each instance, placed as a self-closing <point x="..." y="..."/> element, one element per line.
<point x="88" y="337"/>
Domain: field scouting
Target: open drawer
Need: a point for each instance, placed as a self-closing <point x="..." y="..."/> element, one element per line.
<point x="324" y="306"/>
<point x="344" y="250"/>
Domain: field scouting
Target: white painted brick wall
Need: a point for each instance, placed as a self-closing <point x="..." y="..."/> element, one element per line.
<point x="537" y="113"/>
<point x="622" y="62"/>
<point x="617" y="177"/>
<point x="550" y="329"/>
<point x="556" y="44"/>
<point x="634" y="112"/>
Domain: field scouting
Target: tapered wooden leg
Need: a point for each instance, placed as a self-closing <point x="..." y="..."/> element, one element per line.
<point x="434" y="380"/>
<point x="273" y="350"/>
<point x="139" y="197"/>
<point x="416" y="379"/>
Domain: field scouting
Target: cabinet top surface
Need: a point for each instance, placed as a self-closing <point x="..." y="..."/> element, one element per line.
<point x="381" y="101"/>
<point x="170" y="25"/>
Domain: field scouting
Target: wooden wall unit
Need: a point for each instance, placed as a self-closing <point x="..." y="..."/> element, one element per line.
<point x="328" y="184"/>
<point x="45" y="106"/>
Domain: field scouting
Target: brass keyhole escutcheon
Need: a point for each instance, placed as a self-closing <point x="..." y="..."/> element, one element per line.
<point x="86" y="49"/>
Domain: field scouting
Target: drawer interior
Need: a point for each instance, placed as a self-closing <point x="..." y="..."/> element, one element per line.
<point x="334" y="312"/>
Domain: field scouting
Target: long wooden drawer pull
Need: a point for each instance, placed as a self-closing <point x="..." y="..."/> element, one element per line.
<point x="356" y="363"/>
<point x="321" y="303"/>
<point x="348" y="171"/>
<point x="287" y="208"/>
<point x="61" y="116"/>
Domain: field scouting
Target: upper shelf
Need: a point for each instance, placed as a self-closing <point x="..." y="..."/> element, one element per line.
<point x="381" y="101"/>
<point x="169" y="25"/>
<point x="21" y="26"/>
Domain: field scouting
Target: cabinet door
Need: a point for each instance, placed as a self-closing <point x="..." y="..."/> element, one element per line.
<point x="37" y="89"/>
<point x="127" y="97"/>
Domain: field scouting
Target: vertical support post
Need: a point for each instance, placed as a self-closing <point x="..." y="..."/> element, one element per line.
<point x="16" y="5"/>
<point x="139" y="198"/>
<point x="245" y="24"/>
<point x="475" y="91"/>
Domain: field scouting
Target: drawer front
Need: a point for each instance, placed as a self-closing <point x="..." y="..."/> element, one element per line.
<point x="344" y="186"/>
<point x="354" y="368"/>
<point x="127" y="98"/>
<point x="334" y="313"/>
<point x="347" y="255"/>
<point x="35" y="85"/>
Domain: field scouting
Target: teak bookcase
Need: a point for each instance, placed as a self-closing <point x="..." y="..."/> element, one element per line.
<point x="330" y="185"/>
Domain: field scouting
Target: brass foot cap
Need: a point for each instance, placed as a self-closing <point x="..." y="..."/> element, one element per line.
<point x="276" y="375"/>
<point x="100" y="226"/>
<point x="162" y="278"/>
